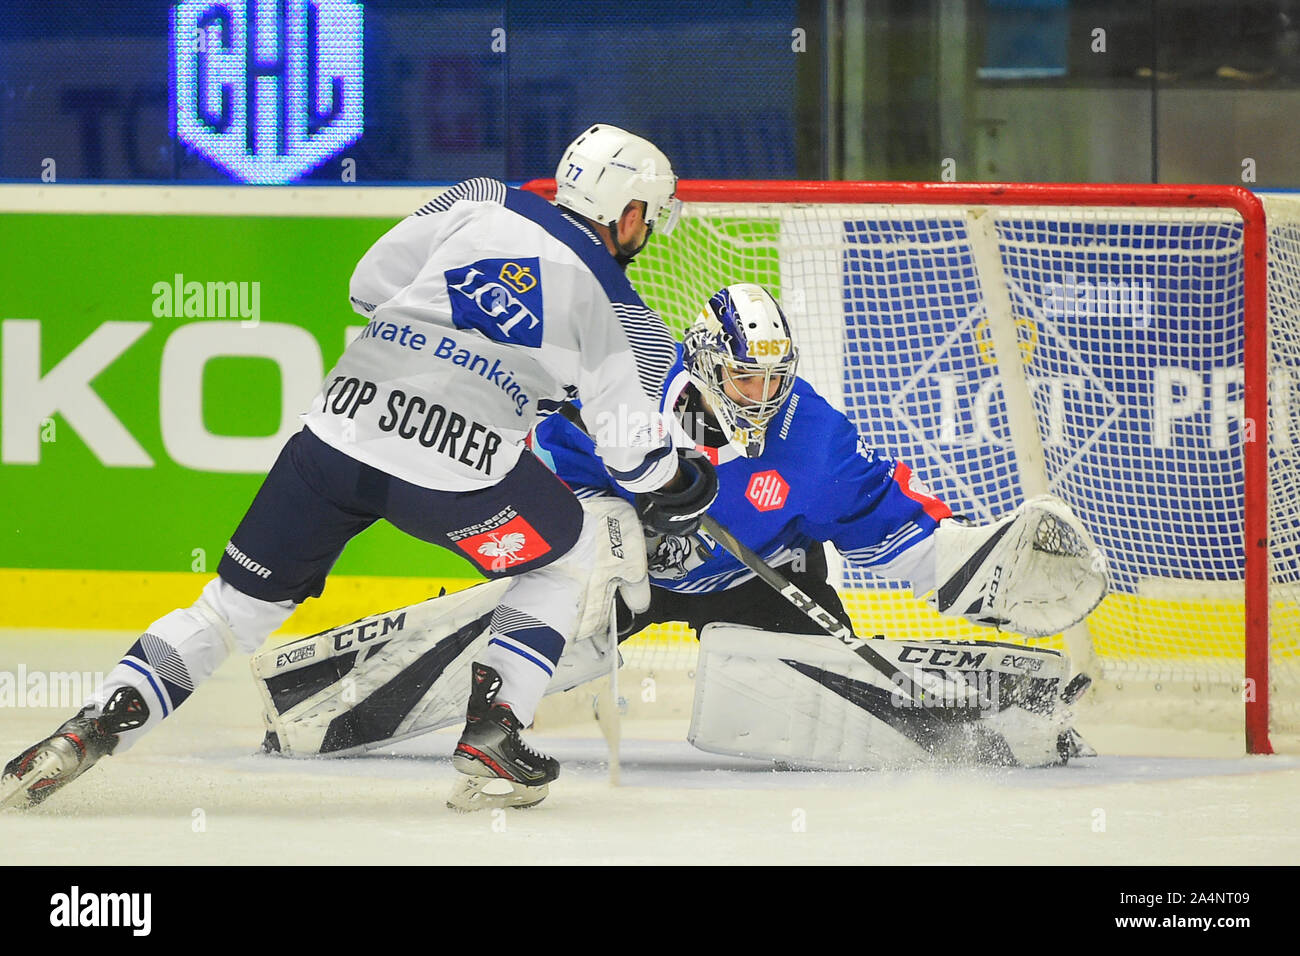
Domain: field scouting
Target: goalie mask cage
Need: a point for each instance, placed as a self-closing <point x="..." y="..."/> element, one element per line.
<point x="1120" y="346"/>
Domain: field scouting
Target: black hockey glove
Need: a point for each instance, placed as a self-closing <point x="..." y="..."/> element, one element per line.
<point x="679" y="512"/>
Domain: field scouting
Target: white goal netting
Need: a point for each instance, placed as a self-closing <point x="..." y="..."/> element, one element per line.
<point x="1127" y="400"/>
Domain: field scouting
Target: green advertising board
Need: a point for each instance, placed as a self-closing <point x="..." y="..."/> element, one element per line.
<point x="151" y="366"/>
<point x="158" y="346"/>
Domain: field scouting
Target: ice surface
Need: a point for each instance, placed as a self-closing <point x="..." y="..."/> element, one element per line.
<point x="194" y="792"/>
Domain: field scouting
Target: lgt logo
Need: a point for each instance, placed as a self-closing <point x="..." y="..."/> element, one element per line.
<point x="267" y="89"/>
<point x="501" y="298"/>
<point x="767" y="490"/>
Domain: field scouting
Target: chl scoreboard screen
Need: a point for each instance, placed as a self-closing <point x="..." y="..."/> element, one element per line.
<point x="348" y="91"/>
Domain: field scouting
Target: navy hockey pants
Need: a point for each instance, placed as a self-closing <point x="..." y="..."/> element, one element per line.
<point x="316" y="499"/>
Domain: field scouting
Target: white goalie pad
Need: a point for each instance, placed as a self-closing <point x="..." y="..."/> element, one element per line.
<point x="394" y="675"/>
<point x="1036" y="571"/>
<point x="811" y="702"/>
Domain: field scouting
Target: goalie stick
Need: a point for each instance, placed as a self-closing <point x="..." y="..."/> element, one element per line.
<point x="814" y="611"/>
<point x="786" y="588"/>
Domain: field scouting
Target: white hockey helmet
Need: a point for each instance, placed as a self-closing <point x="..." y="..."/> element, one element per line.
<point x="741" y="336"/>
<point x="606" y="168"/>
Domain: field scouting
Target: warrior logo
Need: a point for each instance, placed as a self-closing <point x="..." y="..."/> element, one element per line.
<point x="267" y="89"/>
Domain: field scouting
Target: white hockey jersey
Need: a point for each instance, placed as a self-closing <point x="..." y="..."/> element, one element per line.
<point x="485" y="308"/>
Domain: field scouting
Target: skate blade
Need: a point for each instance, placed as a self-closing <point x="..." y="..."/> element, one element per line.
<point x="468" y="794"/>
<point x="1078" y="746"/>
<point x="45" y="774"/>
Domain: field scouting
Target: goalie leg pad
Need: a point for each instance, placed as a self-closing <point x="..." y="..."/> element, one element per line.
<point x="620" y="569"/>
<point x="807" y="701"/>
<point x="377" y="680"/>
<point x="394" y="675"/>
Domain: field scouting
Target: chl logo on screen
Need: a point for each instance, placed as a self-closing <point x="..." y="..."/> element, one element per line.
<point x="267" y="89"/>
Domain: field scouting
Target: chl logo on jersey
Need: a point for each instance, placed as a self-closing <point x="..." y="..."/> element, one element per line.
<point x="767" y="490"/>
<point x="502" y="298"/>
<point x="267" y="89"/>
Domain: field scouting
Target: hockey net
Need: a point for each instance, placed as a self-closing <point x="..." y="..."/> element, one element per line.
<point x="1122" y="347"/>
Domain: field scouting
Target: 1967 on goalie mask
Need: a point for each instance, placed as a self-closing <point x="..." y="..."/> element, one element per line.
<point x="742" y="358"/>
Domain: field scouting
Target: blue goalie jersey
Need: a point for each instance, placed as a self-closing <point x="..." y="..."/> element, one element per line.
<point x="816" y="481"/>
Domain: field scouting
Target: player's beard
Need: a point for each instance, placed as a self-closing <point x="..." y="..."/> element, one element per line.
<point x="624" y="254"/>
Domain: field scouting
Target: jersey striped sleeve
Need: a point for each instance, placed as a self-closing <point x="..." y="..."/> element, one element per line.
<point x="481" y="189"/>
<point x="652" y="346"/>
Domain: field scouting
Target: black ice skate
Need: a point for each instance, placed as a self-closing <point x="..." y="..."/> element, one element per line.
<point x="491" y="749"/>
<point x="71" y="750"/>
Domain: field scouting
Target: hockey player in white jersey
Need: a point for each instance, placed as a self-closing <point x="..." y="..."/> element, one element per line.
<point x="482" y="307"/>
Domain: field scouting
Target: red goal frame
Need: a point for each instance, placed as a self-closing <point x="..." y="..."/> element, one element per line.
<point x="1255" y="318"/>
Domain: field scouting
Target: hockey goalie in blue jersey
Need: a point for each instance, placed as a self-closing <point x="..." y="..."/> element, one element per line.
<point x="792" y="471"/>
<point x="791" y="474"/>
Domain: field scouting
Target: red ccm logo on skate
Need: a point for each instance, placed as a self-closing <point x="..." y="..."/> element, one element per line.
<point x="513" y="543"/>
<point x="767" y="490"/>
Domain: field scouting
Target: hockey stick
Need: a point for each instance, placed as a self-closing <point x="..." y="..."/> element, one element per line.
<point x="607" y="703"/>
<point x="786" y="588"/>
<point x="814" y="611"/>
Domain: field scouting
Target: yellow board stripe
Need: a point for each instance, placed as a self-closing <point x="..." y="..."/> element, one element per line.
<point x="1125" y="626"/>
<point x="131" y="600"/>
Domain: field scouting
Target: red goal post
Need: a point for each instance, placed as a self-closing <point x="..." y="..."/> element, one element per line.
<point x="1056" y="244"/>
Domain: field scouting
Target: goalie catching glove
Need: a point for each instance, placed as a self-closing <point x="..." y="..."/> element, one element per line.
<point x="1035" y="571"/>
<point x="678" y="511"/>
